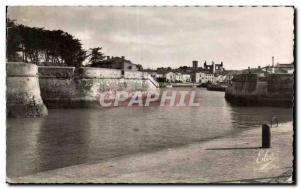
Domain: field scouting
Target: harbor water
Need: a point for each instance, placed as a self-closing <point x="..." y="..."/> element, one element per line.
<point x="76" y="136"/>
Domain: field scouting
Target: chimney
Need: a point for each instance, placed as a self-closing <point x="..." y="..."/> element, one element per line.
<point x="107" y="57"/>
<point x="273" y="69"/>
<point x="123" y="57"/>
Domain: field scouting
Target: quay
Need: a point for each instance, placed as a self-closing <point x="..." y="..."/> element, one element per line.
<point x="216" y="87"/>
<point x="233" y="159"/>
<point x="270" y="90"/>
<point x="185" y="85"/>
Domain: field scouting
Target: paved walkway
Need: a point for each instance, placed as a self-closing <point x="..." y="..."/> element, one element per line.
<point x="237" y="159"/>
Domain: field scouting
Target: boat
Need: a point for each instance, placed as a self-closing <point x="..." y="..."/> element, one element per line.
<point x="216" y="87"/>
<point x="204" y="85"/>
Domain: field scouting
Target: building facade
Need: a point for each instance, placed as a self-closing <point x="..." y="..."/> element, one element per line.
<point x="213" y="68"/>
<point x="186" y="78"/>
<point x="170" y="77"/>
<point x="116" y="63"/>
<point x="287" y="68"/>
<point x="177" y="77"/>
<point x="202" y="77"/>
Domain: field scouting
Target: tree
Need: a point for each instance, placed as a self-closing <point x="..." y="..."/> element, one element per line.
<point x="40" y="46"/>
<point x="95" y="55"/>
<point x="139" y="67"/>
<point x="183" y="68"/>
<point x="13" y="41"/>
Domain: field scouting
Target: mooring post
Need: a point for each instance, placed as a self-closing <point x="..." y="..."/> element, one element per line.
<point x="266" y="136"/>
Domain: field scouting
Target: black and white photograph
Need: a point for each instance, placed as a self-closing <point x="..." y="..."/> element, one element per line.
<point x="150" y="94"/>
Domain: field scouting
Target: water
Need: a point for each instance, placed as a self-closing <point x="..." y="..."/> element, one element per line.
<point x="74" y="136"/>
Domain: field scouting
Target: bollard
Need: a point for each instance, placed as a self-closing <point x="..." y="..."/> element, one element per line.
<point x="266" y="136"/>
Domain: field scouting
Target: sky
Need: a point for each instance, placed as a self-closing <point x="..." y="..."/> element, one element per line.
<point x="174" y="36"/>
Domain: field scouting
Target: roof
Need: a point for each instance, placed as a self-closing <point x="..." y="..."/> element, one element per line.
<point x="285" y="65"/>
<point x="112" y="60"/>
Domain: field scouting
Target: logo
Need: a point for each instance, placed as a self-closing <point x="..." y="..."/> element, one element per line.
<point x="139" y="98"/>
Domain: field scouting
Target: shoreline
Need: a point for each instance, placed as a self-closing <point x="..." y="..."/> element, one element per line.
<point x="236" y="158"/>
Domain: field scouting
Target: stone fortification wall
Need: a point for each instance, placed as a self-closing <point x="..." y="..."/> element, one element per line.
<point x="249" y="89"/>
<point x="23" y="97"/>
<point x="81" y="87"/>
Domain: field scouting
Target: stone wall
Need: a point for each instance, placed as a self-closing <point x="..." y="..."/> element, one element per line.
<point x="23" y="98"/>
<point x="81" y="87"/>
<point x="249" y="89"/>
<point x="281" y="85"/>
<point x="97" y="73"/>
<point x="135" y="75"/>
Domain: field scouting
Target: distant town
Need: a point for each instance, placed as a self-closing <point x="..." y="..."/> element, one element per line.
<point x="208" y="73"/>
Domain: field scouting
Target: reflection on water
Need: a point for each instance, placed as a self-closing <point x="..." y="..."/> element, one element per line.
<point x="256" y="116"/>
<point x="73" y="136"/>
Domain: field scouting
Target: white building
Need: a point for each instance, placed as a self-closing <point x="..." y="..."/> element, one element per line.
<point x="287" y="68"/>
<point x="202" y="77"/>
<point x="178" y="77"/>
<point x="170" y="77"/>
<point x="198" y="77"/>
<point x="186" y="78"/>
<point x="158" y="75"/>
<point x="220" y="78"/>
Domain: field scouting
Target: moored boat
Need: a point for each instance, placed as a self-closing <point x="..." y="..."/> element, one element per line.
<point x="216" y="87"/>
